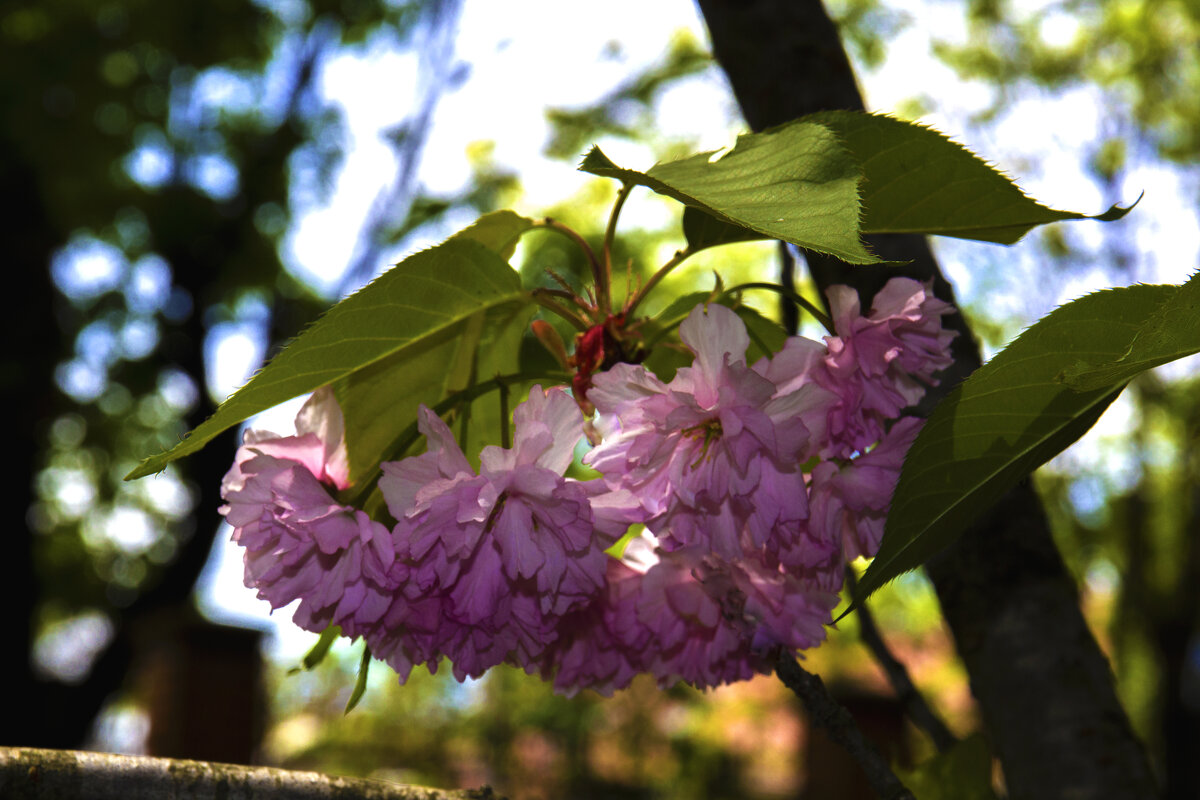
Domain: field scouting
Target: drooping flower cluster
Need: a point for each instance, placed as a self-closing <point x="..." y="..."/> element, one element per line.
<point x="755" y="484"/>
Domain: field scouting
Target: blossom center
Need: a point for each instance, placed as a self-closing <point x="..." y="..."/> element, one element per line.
<point x="709" y="431"/>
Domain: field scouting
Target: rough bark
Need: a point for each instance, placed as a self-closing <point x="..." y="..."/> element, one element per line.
<point x="1045" y="689"/>
<point x="32" y="774"/>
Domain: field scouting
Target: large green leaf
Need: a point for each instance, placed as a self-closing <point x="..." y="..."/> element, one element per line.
<point x="421" y="305"/>
<point x="1172" y="332"/>
<point x="1003" y="422"/>
<point x="877" y="174"/>
<point x="380" y="401"/>
<point x="918" y="181"/>
<point x="703" y="230"/>
<point x="796" y="183"/>
<point x="497" y="230"/>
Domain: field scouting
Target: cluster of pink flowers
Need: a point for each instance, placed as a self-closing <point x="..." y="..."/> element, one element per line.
<point x="754" y="485"/>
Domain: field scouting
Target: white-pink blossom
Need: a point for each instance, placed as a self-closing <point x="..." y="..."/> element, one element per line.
<point x="301" y="543"/>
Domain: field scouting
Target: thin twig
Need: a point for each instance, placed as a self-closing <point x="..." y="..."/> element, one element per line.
<point x="915" y="706"/>
<point x="825" y="712"/>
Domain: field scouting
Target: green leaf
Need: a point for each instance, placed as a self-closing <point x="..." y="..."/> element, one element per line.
<point x="795" y="182"/>
<point x="393" y="327"/>
<point x="767" y="336"/>
<point x="704" y="230"/>
<point x="360" y="685"/>
<point x="964" y="772"/>
<point x="918" y="181"/>
<point x="1172" y="332"/>
<point x="381" y="400"/>
<point x="319" y="650"/>
<point x="1003" y="422"/>
<point x="667" y="321"/>
<point x="499" y="231"/>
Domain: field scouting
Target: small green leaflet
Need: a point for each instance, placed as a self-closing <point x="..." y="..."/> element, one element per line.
<point x="918" y="181"/>
<point x="319" y="650"/>
<point x="360" y="685"/>
<point x="424" y="301"/>
<point x="1172" y="332"/>
<point x="1003" y="422"/>
<point x="796" y="183"/>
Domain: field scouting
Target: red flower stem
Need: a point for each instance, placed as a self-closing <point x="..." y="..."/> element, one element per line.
<point x="675" y="260"/>
<point x="542" y="298"/>
<point x="573" y="235"/>
<point x="604" y="290"/>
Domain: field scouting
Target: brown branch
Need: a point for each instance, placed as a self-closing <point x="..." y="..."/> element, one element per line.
<point x="915" y="706"/>
<point x="34" y="774"/>
<point x="832" y="717"/>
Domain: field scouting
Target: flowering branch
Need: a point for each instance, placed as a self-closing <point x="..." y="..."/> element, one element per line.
<point x="832" y="716"/>
<point x="505" y="562"/>
<point x="915" y="706"/>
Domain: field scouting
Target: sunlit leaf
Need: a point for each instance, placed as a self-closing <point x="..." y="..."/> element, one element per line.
<point x="499" y="231"/>
<point x="1003" y="422"/>
<point x="1172" y="332"/>
<point x="403" y="327"/>
<point x="796" y="183"/>
<point x="964" y="772"/>
<point x="381" y="400"/>
<point x="875" y="174"/>
<point x="918" y="181"/>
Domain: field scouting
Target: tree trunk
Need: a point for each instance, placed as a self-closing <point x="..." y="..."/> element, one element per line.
<point x="1045" y="689"/>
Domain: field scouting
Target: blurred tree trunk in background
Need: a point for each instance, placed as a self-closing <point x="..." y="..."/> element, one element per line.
<point x="1045" y="689"/>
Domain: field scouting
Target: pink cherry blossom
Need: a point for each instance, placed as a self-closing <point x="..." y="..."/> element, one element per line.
<point x="300" y="542"/>
<point x="686" y="616"/>
<point x="494" y="559"/>
<point x="698" y="451"/>
<point x="850" y="503"/>
<point x="877" y="365"/>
